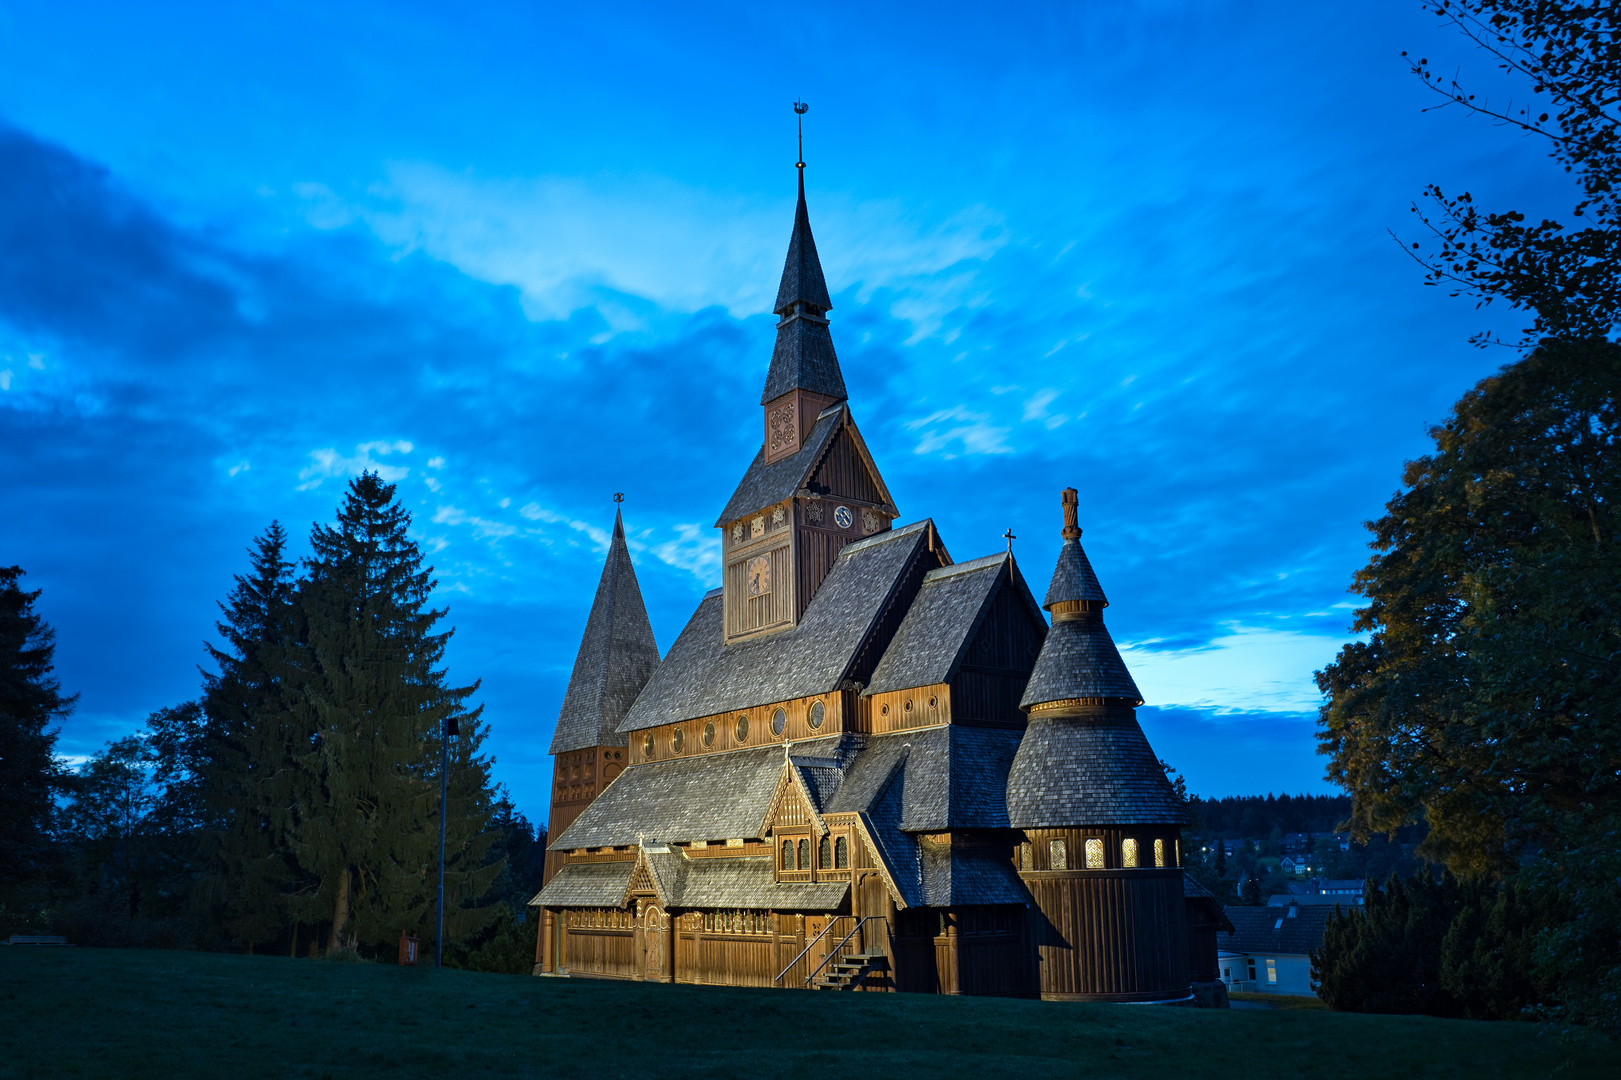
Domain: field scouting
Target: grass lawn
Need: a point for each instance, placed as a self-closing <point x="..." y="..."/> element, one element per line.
<point x="127" y="1013"/>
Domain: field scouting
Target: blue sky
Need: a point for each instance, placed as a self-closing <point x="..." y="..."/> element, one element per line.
<point x="519" y="257"/>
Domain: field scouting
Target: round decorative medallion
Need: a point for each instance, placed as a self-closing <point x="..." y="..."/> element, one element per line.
<point x="743" y="728"/>
<point x="843" y="518"/>
<point x="779" y="722"/>
<point x="816" y="714"/>
<point x="709" y="733"/>
<point x="678" y="739"/>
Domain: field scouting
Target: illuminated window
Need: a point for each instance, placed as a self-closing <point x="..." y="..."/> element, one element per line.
<point x="1057" y="855"/>
<point x="1272" y="971"/>
<point x="1128" y="852"/>
<point x="647" y="745"/>
<point x="804" y="855"/>
<point x="678" y="739"/>
<point x="1027" y="857"/>
<point x="787" y="854"/>
<point x="824" y="854"/>
<point x="841" y="854"/>
<point x="1178" y="854"/>
<point x="1094" y="854"/>
<point x="709" y="734"/>
<point x="1159" y="853"/>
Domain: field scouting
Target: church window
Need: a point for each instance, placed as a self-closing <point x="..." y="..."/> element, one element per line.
<point x="1159" y="852"/>
<point x="1094" y="854"/>
<point x="1027" y="857"/>
<point x="1128" y="852"/>
<point x="647" y="745"/>
<point x="804" y="855"/>
<point x="709" y="734"/>
<point x="816" y="714"/>
<point x="779" y="722"/>
<point x="841" y="854"/>
<point x="743" y="728"/>
<point x="1178" y="854"/>
<point x="787" y="854"/>
<point x="678" y="739"/>
<point x="824" y="854"/>
<point x="1057" y="855"/>
<point x="884" y="709"/>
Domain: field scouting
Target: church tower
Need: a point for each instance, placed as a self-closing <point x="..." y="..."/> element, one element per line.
<point x="813" y="487"/>
<point x="616" y="658"/>
<point x="1102" y="826"/>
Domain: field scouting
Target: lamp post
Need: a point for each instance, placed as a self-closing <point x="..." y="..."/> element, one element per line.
<point x="450" y="726"/>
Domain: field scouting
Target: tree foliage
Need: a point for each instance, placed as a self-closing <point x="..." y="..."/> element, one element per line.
<point x="30" y="700"/>
<point x="1487" y="696"/>
<point x="1569" y="54"/>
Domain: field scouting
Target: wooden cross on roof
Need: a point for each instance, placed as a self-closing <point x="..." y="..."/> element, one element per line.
<point x="1010" y="538"/>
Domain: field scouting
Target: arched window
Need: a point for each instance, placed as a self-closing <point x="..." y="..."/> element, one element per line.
<point x="824" y="854"/>
<point x="1057" y="855"/>
<point x="841" y="854"/>
<point x="1027" y="857"/>
<point x="1094" y="854"/>
<point x="787" y="854"/>
<point x="1128" y="852"/>
<point x="804" y="855"/>
<point x="1159" y="852"/>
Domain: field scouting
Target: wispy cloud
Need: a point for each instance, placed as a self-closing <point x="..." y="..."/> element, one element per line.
<point x="327" y="463"/>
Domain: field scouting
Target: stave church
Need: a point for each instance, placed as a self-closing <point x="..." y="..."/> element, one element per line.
<point x="863" y="765"/>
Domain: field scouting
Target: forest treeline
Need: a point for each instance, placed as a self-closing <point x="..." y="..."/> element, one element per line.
<point x="1260" y="816"/>
<point x="294" y="805"/>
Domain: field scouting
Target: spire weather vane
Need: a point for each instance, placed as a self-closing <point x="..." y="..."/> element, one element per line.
<point x="619" y="496"/>
<point x="800" y="108"/>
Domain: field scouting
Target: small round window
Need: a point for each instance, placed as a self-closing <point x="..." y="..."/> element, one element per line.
<point x="743" y="728"/>
<point x="816" y="715"/>
<point x="884" y="710"/>
<point x="647" y="745"/>
<point x="678" y="739"/>
<point x="779" y="722"/>
<point x="709" y="733"/>
<point x="908" y="704"/>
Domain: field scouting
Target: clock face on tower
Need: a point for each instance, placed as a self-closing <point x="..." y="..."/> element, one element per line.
<point x="843" y="518"/>
<point x="758" y="575"/>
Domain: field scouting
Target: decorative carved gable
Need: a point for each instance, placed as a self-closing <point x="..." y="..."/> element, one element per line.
<point x="791" y="804"/>
<point x="642" y="881"/>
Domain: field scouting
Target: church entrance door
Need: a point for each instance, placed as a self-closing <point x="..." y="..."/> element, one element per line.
<point x="654" y="952"/>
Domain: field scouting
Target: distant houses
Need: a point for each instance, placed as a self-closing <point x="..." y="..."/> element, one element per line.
<point x="1269" y="949"/>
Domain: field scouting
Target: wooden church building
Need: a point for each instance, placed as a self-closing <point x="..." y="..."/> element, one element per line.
<point x="862" y="764"/>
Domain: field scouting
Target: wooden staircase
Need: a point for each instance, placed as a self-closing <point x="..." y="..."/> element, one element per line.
<point x="849" y="972"/>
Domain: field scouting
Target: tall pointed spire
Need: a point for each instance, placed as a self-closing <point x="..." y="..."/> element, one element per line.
<point x="616" y="658"/>
<point x="803" y="358"/>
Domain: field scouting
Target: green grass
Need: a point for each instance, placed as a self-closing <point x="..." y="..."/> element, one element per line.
<point x="126" y="1013"/>
<point x="1283" y="1001"/>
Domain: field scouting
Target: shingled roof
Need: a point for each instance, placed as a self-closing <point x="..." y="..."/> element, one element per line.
<point x="1072" y="772"/>
<point x="802" y="279"/>
<point x="803" y="358"/>
<point x="1073" y="578"/>
<point x="617" y="655"/>
<point x="705" y="797"/>
<point x="703" y="676"/>
<point x="1297" y="930"/>
<point x="1079" y="660"/>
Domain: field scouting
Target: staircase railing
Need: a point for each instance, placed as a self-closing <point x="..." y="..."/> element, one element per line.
<point x="838" y="949"/>
<point x="832" y="925"/>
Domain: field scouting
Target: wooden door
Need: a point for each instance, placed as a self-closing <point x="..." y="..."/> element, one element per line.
<point x="874" y="902"/>
<point x="814" y="926"/>
<point x="655" y="951"/>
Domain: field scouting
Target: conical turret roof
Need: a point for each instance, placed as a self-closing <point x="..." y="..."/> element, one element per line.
<point x="802" y="272"/>
<point x="803" y="358"/>
<point x="616" y="658"/>
<point x="1079" y="658"/>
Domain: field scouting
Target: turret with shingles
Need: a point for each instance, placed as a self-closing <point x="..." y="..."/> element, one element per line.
<point x="1102" y="823"/>
<point x="617" y="656"/>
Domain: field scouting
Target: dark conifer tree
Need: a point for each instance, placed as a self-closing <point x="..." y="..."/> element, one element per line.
<point x="30" y="699"/>
<point x="256" y="740"/>
<point x="372" y="690"/>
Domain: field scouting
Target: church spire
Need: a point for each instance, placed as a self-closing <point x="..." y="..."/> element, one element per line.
<point x="803" y="358"/>
<point x="616" y="658"/>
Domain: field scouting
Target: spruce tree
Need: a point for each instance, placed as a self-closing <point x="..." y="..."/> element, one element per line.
<point x="30" y="699"/>
<point x="372" y="691"/>
<point x="256" y="739"/>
